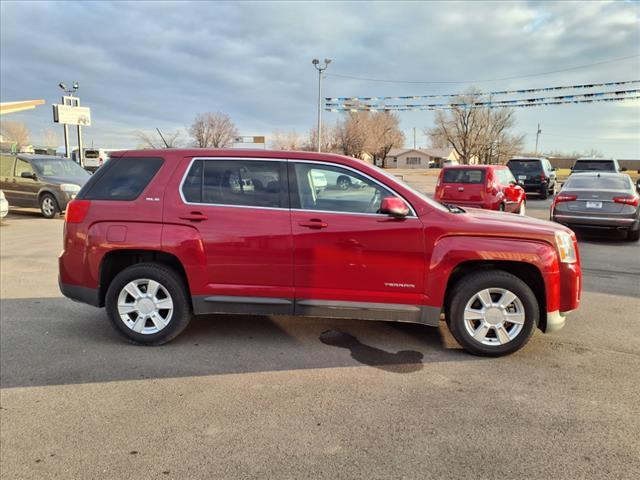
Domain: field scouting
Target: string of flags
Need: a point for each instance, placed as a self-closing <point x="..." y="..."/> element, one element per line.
<point x="499" y="92"/>
<point x="445" y="106"/>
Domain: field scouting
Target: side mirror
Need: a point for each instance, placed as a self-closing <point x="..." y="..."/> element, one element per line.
<point x="394" y="206"/>
<point x="30" y="175"/>
<point x="623" y="169"/>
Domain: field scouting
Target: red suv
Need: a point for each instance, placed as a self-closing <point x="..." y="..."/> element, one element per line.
<point x="156" y="236"/>
<point x="491" y="187"/>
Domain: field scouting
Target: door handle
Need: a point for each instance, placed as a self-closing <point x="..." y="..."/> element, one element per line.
<point x="314" y="223"/>
<point x="194" y="217"/>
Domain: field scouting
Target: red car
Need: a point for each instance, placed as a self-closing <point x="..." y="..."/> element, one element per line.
<point x="491" y="187"/>
<point x="159" y="235"/>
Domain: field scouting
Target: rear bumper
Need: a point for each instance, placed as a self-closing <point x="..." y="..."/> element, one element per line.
<point x="80" y="294"/>
<point x="596" y="221"/>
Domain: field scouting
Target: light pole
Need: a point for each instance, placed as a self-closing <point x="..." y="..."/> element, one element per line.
<point x="320" y="68"/>
<point x="69" y="93"/>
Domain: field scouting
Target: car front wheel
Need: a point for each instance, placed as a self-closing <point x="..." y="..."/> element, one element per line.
<point x="147" y="304"/>
<point x="48" y="206"/>
<point x="492" y="313"/>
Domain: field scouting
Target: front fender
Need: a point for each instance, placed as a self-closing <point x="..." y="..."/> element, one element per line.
<point x="451" y="251"/>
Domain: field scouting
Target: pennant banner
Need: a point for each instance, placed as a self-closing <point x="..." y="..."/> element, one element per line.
<point x="444" y="106"/>
<point x="500" y="92"/>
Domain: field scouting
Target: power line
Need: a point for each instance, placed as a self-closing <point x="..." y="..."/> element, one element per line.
<point x="432" y="82"/>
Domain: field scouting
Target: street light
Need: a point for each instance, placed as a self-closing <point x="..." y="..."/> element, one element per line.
<point x="320" y="68"/>
<point x="69" y="91"/>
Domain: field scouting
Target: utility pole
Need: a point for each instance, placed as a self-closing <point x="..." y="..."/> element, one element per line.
<point x="414" y="138"/>
<point x="316" y="63"/>
<point x="538" y="132"/>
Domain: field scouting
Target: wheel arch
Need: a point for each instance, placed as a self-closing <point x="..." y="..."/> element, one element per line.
<point x="115" y="261"/>
<point x="526" y="272"/>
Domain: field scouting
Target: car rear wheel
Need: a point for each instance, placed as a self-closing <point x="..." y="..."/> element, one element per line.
<point x="492" y="313"/>
<point x="147" y="304"/>
<point x="633" y="235"/>
<point x="48" y="206"/>
<point x="501" y="207"/>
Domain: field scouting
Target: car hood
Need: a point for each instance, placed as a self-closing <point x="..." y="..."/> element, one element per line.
<point x="488" y="222"/>
<point x="80" y="181"/>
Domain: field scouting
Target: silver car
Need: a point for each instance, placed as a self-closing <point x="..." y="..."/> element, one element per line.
<point x="599" y="200"/>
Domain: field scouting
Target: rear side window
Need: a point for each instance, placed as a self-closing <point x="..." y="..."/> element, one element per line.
<point x="246" y="183"/>
<point x="595" y="165"/>
<point x="525" y="166"/>
<point x="121" y="179"/>
<point x="463" y="175"/>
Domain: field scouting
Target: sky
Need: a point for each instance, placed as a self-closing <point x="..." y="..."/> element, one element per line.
<point x="148" y="64"/>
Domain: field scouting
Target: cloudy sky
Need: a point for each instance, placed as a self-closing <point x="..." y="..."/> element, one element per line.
<point x="144" y="65"/>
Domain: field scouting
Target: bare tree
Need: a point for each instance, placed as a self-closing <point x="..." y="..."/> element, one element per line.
<point x="213" y="130"/>
<point x="49" y="138"/>
<point x="154" y="140"/>
<point x="351" y="133"/>
<point x="383" y="134"/>
<point x="16" y="132"/>
<point x="291" y="140"/>
<point x="328" y="143"/>
<point x="476" y="132"/>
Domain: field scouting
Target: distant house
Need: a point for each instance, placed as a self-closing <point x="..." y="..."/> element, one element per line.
<point x="422" y="157"/>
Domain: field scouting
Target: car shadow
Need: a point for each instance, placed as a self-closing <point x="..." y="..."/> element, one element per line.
<point x="54" y="341"/>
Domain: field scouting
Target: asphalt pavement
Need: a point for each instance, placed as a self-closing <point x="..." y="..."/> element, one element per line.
<point x="282" y="397"/>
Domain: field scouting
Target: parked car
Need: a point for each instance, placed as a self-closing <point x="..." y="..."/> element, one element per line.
<point x="596" y="165"/>
<point x="599" y="200"/>
<point x="159" y="235"/>
<point x="491" y="187"/>
<point x="4" y="205"/>
<point x="536" y="174"/>
<point x="41" y="181"/>
<point x="93" y="158"/>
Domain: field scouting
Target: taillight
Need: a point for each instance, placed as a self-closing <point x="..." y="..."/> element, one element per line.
<point x="100" y="161"/>
<point x="76" y="211"/>
<point x="492" y="188"/>
<point x="633" y="201"/>
<point x="565" y="198"/>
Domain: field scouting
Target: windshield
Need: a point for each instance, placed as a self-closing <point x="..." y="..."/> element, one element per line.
<point x="422" y="196"/>
<point x="62" y="167"/>
<point x="595" y="165"/>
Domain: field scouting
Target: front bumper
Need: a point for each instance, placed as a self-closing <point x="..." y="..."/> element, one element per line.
<point x="555" y="321"/>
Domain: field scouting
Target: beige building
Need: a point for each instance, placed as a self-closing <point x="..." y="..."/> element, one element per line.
<point x="422" y="157"/>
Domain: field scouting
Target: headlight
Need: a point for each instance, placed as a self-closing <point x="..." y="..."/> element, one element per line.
<point x="70" y="188"/>
<point x="566" y="250"/>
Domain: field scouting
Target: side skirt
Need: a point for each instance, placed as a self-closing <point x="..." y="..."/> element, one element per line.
<point x="389" y="312"/>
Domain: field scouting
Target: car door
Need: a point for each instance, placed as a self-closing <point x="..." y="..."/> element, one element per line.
<point x="240" y="210"/>
<point x="346" y="254"/>
<point x="25" y="189"/>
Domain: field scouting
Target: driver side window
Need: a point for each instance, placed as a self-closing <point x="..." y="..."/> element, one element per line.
<point x="334" y="189"/>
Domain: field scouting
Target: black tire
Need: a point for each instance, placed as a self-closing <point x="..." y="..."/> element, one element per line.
<point x="175" y="287"/>
<point x="464" y="291"/>
<point x="343" y="182"/>
<point x="501" y="207"/>
<point x="633" y="235"/>
<point x="544" y="193"/>
<point x="49" y="206"/>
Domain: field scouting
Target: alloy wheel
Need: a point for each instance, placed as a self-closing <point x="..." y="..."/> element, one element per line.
<point x="145" y="306"/>
<point x="494" y="316"/>
<point x="48" y="207"/>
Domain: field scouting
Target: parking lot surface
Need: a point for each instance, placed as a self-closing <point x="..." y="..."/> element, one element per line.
<point x="278" y="397"/>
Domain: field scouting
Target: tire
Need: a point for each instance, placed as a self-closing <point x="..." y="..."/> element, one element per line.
<point x="498" y="337"/>
<point x="49" y="206"/>
<point x="633" y="235"/>
<point x="148" y="331"/>
<point x="501" y="207"/>
<point x="523" y="209"/>
<point x="343" y="182"/>
<point x="544" y="193"/>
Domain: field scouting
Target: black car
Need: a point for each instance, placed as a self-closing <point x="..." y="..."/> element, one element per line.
<point x="41" y="181"/>
<point x="534" y="174"/>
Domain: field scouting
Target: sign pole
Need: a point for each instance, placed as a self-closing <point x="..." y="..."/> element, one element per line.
<point x="80" y="150"/>
<point x="66" y="141"/>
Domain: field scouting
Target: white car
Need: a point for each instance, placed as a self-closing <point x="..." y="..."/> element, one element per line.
<point x="4" y="205"/>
